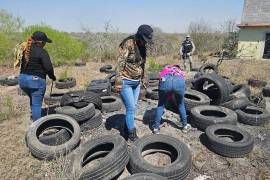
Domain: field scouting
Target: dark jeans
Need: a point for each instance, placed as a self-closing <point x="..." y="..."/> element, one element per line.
<point x="130" y="95"/>
<point x="35" y="88"/>
<point x="169" y="84"/>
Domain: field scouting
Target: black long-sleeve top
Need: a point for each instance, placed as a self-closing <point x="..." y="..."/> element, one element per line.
<point x="39" y="63"/>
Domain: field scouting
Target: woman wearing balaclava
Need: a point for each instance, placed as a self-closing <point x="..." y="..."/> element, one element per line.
<point x="130" y="71"/>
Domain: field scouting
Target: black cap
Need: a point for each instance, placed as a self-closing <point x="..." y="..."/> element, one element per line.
<point x="146" y="32"/>
<point x="41" y="36"/>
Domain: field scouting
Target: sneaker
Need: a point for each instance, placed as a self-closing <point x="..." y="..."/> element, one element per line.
<point x="156" y="131"/>
<point x="186" y="128"/>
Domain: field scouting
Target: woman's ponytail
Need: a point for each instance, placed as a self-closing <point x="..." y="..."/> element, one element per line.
<point x="27" y="50"/>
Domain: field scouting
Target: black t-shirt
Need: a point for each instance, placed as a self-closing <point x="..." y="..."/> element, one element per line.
<point x="39" y="63"/>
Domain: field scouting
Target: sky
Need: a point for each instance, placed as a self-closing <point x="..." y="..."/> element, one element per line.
<point x="172" y="16"/>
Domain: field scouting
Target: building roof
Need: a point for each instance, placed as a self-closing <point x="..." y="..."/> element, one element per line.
<point x="256" y="13"/>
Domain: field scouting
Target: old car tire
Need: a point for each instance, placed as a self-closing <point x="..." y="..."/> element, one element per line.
<point x="92" y="123"/>
<point x="178" y="151"/>
<point x="79" y="114"/>
<point x="206" y="115"/>
<point x="65" y="83"/>
<point x="152" y="93"/>
<point x="217" y="89"/>
<point x="229" y="140"/>
<point x="81" y="96"/>
<point x="111" y="103"/>
<point x="43" y="151"/>
<point x="208" y="66"/>
<point x="145" y="176"/>
<point x="55" y="139"/>
<point x="236" y="103"/>
<point x="252" y="115"/>
<point x="114" y="151"/>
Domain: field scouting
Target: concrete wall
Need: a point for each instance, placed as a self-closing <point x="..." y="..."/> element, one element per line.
<point x="256" y="11"/>
<point x="251" y="42"/>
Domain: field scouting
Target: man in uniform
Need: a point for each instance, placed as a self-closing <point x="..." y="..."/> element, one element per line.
<point x="186" y="50"/>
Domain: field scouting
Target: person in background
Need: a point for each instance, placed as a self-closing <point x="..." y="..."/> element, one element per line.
<point x="35" y="65"/>
<point x="172" y="80"/>
<point x="187" y="49"/>
<point x="130" y="72"/>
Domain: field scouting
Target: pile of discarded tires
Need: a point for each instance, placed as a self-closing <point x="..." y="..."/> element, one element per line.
<point x="111" y="151"/>
<point x="216" y="105"/>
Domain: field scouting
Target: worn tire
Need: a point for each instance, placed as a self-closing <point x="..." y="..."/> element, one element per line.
<point x="179" y="152"/>
<point x="101" y="86"/>
<point x="55" y="139"/>
<point x="54" y="98"/>
<point x="111" y="103"/>
<point x="81" y="96"/>
<point x="92" y="123"/>
<point x="208" y="66"/>
<point x="236" y="103"/>
<point x="218" y="93"/>
<point x="241" y="90"/>
<point x="80" y="114"/>
<point x="192" y="99"/>
<point x="107" y="69"/>
<point x="153" y="76"/>
<point x="242" y="142"/>
<point x="43" y="151"/>
<point x="152" y="83"/>
<point x="145" y="176"/>
<point x="206" y="115"/>
<point x="266" y="91"/>
<point x="11" y="81"/>
<point x="258" y="101"/>
<point x="114" y="151"/>
<point x="65" y="83"/>
<point x="252" y="115"/>
<point x="152" y="93"/>
<point x="257" y="83"/>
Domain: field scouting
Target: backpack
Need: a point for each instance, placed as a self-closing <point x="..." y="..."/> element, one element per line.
<point x="18" y="54"/>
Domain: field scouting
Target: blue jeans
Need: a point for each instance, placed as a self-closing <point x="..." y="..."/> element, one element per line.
<point x="35" y="88"/>
<point x="169" y="84"/>
<point x="130" y="95"/>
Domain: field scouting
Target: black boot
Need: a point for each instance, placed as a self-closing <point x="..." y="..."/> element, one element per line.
<point x="132" y="135"/>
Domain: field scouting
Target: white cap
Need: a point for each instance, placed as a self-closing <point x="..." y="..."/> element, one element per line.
<point x="187" y="36"/>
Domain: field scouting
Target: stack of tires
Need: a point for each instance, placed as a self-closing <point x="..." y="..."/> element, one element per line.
<point x="229" y="105"/>
<point x="83" y="106"/>
<point x="152" y="86"/>
<point x="100" y="86"/>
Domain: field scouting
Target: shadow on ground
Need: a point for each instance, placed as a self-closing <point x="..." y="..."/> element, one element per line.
<point x="117" y="121"/>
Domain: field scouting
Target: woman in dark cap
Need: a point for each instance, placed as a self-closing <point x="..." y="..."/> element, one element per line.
<point x="35" y="65"/>
<point x="130" y="71"/>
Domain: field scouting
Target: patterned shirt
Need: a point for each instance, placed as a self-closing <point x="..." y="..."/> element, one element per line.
<point x="130" y="63"/>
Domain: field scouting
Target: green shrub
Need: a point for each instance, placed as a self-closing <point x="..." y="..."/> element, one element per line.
<point x="10" y="27"/>
<point x="153" y="66"/>
<point x="64" y="50"/>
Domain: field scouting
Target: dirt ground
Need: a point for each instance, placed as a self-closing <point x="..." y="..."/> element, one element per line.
<point x="17" y="163"/>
